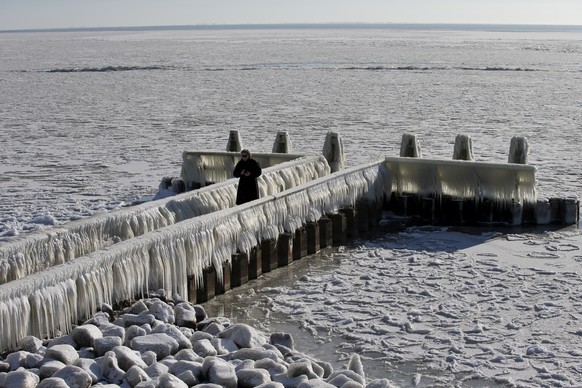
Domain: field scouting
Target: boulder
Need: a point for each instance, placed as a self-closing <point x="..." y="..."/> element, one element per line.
<point x="21" y="378"/>
<point x="161" y="344"/>
<point x="126" y="358"/>
<point x="64" y="353"/>
<point x="250" y="378"/>
<point x="85" y="335"/>
<point x="74" y="376"/>
<point x="30" y="344"/>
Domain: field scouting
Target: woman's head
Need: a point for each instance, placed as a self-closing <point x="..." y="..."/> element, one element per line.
<point x="245" y="154"/>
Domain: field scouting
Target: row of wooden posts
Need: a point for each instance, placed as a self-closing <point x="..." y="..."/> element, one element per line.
<point x="330" y="230"/>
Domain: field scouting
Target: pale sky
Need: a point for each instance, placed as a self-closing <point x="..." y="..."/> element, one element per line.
<point x="34" y="14"/>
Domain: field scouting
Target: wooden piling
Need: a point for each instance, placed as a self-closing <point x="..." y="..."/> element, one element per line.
<point x="453" y="211"/>
<point x="285" y="249"/>
<point x="428" y="210"/>
<point x="207" y="290"/>
<point x="269" y="255"/>
<point x="192" y="289"/>
<point x="403" y="203"/>
<point x="223" y="285"/>
<point x="571" y="211"/>
<point x="313" y="235"/>
<point x="255" y="263"/>
<point x="239" y="269"/>
<point x="556" y="210"/>
<point x="352" y="223"/>
<point x="325" y="232"/>
<point x="339" y="228"/>
<point x="485" y="211"/>
<point x="542" y="211"/>
<point x="300" y="243"/>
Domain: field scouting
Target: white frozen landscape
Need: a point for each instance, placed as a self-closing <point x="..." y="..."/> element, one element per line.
<point x="92" y="121"/>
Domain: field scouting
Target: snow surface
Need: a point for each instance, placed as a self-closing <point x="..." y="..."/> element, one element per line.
<point x="428" y="306"/>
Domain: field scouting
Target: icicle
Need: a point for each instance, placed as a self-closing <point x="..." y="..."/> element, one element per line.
<point x="44" y="249"/>
<point x="339" y="193"/>
<point x="298" y="205"/>
<point x="501" y="183"/>
<point x="272" y="229"/>
<point x="251" y="220"/>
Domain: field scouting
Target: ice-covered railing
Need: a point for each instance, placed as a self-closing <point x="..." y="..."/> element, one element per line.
<point x="201" y="168"/>
<point x="501" y="184"/>
<point x="50" y="301"/>
<point x="41" y="250"/>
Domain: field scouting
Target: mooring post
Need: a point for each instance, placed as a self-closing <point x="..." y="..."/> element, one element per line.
<point x="333" y="151"/>
<point x="300" y="243"/>
<point x="463" y="148"/>
<point x="410" y="147"/>
<point x="255" y="263"/>
<point x="313" y="235"/>
<point x="269" y="255"/>
<point x="282" y="144"/>
<point x="518" y="150"/>
<point x="234" y="144"/>
<point x="285" y="249"/>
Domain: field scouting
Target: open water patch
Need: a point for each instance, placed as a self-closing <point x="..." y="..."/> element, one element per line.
<point x="106" y="69"/>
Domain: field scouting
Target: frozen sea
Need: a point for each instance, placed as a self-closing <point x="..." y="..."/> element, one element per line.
<point x="91" y="120"/>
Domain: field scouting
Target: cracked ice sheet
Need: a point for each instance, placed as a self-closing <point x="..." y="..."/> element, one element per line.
<point x="434" y="307"/>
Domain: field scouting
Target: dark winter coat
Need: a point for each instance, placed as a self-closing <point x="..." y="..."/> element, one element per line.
<point x="248" y="188"/>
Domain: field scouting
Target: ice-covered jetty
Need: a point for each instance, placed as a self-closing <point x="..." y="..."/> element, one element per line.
<point x="198" y="244"/>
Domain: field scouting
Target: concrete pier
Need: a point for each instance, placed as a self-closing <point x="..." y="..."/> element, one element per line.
<point x="183" y="238"/>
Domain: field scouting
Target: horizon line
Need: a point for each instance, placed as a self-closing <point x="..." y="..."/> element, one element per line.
<point x="292" y="25"/>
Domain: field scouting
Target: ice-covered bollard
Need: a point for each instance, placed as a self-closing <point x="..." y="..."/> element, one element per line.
<point x="178" y="185"/>
<point x="463" y="148"/>
<point x="333" y="151"/>
<point x="233" y="144"/>
<point x="410" y="147"/>
<point x="518" y="150"/>
<point x="282" y="143"/>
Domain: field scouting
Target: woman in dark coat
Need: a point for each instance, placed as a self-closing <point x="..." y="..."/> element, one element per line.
<point x="247" y="169"/>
